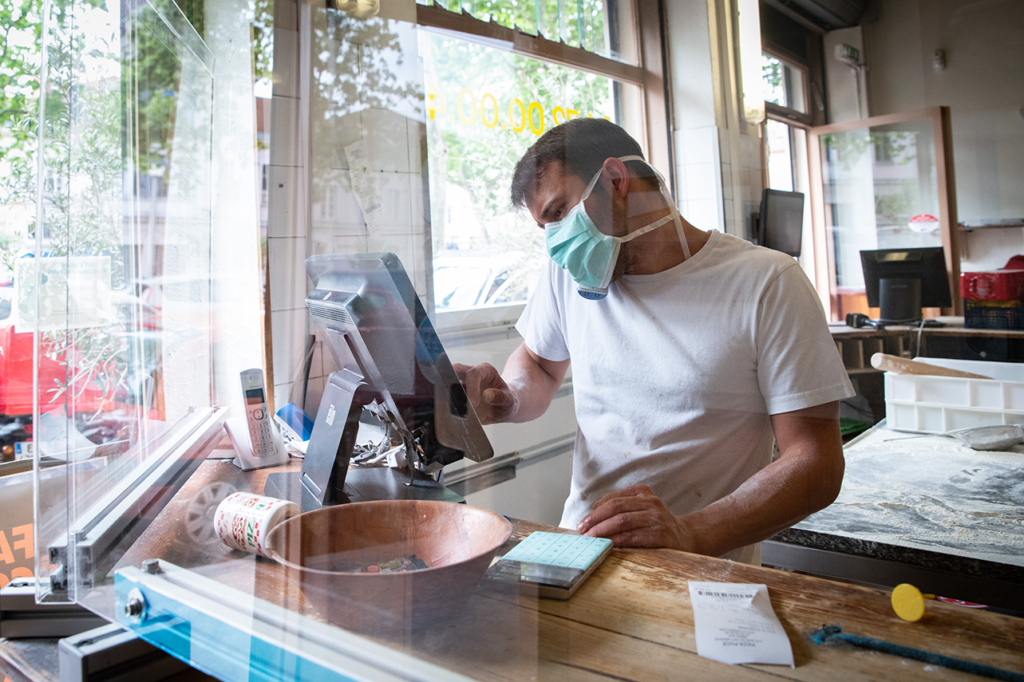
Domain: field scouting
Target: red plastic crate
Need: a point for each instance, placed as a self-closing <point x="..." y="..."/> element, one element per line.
<point x="992" y="285"/>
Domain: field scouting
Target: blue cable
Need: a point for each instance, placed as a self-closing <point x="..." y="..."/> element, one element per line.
<point x="832" y="633"/>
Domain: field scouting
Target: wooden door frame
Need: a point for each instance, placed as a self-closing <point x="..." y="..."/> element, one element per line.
<point x="824" y="264"/>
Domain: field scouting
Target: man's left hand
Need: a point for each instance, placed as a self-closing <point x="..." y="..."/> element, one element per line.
<point x="636" y="517"/>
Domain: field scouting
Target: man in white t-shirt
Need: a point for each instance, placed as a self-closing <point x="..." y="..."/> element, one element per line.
<point x="692" y="353"/>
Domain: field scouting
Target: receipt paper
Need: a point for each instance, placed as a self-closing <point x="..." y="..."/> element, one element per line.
<point x="735" y="623"/>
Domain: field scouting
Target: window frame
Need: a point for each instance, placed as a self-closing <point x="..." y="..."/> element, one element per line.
<point x="825" y="274"/>
<point x="649" y="75"/>
<point x="786" y="114"/>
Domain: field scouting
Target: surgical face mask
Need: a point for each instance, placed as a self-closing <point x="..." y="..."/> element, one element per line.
<point x="589" y="255"/>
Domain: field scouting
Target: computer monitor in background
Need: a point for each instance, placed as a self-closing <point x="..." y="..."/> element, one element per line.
<point x="781" y="221"/>
<point x="902" y="281"/>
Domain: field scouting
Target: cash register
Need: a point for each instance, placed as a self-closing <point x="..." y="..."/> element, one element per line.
<point x="393" y="374"/>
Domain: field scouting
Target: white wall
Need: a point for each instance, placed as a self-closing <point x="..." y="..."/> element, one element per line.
<point x="847" y="85"/>
<point x="314" y="208"/>
<point x="287" y="201"/>
<point x="982" y="83"/>
<point x="541" y="484"/>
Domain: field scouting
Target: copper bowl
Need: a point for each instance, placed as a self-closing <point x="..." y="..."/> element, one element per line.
<point x="321" y="549"/>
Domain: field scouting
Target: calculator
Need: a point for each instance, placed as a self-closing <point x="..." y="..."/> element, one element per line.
<point x="556" y="563"/>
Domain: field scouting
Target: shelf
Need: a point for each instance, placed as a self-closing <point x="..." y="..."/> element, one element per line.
<point x="992" y="225"/>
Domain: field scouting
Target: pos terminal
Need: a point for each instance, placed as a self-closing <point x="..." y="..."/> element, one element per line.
<point x="392" y="372"/>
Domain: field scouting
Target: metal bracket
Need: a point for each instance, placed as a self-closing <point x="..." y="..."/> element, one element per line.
<point x="21" y="616"/>
<point x="102" y="533"/>
<point x="113" y="654"/>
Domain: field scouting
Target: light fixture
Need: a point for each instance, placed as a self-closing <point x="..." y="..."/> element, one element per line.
<point x="751" y="77"/>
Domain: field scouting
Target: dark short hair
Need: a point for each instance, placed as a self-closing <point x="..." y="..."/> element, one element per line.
<point x="581" y="146"/>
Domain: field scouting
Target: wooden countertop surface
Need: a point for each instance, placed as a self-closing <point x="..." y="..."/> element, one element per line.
<point x="953" y="326"/>
<point x="632" y="620"/>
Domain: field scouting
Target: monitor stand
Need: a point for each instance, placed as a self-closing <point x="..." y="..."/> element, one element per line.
<point x="330" y="450"/>
<point x="899" y="301"/>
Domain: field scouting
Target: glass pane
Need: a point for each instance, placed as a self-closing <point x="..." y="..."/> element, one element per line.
<point x="593" y="25"/>
<point x="780" y="155"/>
<point x="119" y="290"/>
<point x="19" y="105"/>
<point x="262" y="90"/>
<point x="783" y="83"/>
<point x="875" y="181"/>
<point x="368" y="163"/>
<point x="485" y="107"/>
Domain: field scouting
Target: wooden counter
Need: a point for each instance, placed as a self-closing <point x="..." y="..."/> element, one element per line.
<point x="632" y="620"/>
<point x="857" y="345"/>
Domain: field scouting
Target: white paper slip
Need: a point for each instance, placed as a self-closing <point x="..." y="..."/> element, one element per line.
<point x="735" y="623"/>
<point x="364" y="185"/>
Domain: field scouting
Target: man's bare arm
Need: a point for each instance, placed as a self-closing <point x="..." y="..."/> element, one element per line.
<point x="806" y="477"/>
<point x="523" y="391"/>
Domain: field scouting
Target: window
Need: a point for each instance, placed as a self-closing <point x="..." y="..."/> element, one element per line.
<point x="108" y="298"/>
<point x="580" y="24"/>
<point x="779" y="140"/>
<point x="785" y="83"/>
<point x="486" y="102"/>
<point x="485" y="107"/>
<point x="785" y="138"/>
<point x="785" y="87"/>
<point x="877" y="175"/>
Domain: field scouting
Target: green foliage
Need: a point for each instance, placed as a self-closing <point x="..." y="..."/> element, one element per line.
<point x="19" y="71"/>
<point x="771" y="69"/>
<point x="193" y="11"/>
<point x="580" y="24"/>
<point x="262" y="23"/>
<point x="82" y="147"/>
<point x="848" y="148"/>
<point x="480" y="157"/>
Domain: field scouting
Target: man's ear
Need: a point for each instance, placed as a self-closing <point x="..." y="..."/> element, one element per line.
<point x="618" y="175"/>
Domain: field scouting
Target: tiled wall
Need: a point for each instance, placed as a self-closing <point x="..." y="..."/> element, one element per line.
<point x="718" y="163"/>
<point x="236" y="292"/>
<point x="287" y="198"/>
<point x="313" y="206"/>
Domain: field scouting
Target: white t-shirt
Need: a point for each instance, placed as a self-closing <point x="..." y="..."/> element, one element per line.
<point x="675" y="374"/>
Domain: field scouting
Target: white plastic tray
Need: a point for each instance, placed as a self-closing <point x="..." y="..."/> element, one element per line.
<point x="936" y="404"/>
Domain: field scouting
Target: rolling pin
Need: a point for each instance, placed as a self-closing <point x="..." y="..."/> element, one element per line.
<point x="898" y="365"/>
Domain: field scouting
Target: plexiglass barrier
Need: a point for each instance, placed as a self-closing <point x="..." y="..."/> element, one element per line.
<point x="118" y="290"/>
<point x="400" y="139"/>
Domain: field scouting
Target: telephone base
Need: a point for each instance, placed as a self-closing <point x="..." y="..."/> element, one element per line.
<point x="245" y="459"/>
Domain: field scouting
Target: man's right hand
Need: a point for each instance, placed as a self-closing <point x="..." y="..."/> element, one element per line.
<point x="491" y="397"/>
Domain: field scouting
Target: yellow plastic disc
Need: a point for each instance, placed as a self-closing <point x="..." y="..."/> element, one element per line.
<point x="908" y="602"/>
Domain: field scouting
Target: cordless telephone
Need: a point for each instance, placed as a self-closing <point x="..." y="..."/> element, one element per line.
<point x="264" y="447"/>
<point x="257" y="415"/>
